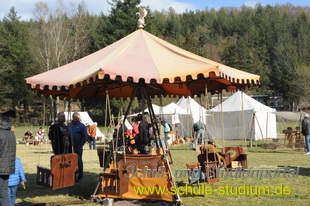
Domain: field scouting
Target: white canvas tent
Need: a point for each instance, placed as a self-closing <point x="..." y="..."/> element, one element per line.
<point x="241" y="116"/>
<point x="127" y="124"/>
<point x="197" y="111"/>
<point x="173" y="108"/>
<point x="85" y="118"/>
<point x="174" y="115"/>
<point x="170" y="111"/>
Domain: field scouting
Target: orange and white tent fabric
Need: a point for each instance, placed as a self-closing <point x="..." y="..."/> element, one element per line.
<point x="140" y="56"/>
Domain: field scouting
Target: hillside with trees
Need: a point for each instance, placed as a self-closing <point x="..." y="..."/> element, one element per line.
<point x="271" y="41"/>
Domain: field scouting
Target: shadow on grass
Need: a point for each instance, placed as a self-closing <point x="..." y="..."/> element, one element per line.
<point x="267" y="151"/>
<point x="81" y="190"/>
<point x="302" y="170"/>
<point x="45" y="152"/>
<point x="181" y="149"/>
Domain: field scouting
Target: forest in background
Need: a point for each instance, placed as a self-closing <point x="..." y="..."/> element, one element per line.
<point x="271" y="41"/>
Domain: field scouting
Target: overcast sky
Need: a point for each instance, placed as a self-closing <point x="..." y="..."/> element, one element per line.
<point x="25" y="8"/>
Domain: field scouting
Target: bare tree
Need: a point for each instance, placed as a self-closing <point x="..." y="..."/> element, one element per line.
<point x="59" y="37"/>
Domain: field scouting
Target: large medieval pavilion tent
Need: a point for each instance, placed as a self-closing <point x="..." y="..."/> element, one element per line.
<point x="140" y="56"/>
<point x="140" y="65"/>
<point x="242" y="117"/>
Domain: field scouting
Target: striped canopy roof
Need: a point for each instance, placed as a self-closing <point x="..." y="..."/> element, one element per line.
<point x="139" y="57"/>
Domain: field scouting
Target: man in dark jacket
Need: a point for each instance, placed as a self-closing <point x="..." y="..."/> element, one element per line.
<point x="78" y="135"/>
<point x="306" y="132"/>
<point x="58" y="135"/>
<point x="7" y="158"/>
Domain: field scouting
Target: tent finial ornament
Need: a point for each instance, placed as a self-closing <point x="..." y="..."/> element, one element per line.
<point x="142" y="13"/>
<point x="100" y="73"/>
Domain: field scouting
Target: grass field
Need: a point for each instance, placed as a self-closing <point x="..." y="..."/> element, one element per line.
<point x="258" y="158"/>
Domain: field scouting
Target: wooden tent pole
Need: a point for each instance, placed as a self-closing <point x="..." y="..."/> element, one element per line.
<point x="130" y="103"/>
<point x="106" y="112"/>
<point x="267" y="125"/>
<point x="251" y="136"/>
<point x="243" y="121"/>
<point x="164" y="150"/>
<point x="191" y="119"/>
<point x="222" y="115"/>
<point x="153" y="118"/>
<point x="208" y="111"/>
<point x="117" y="134"/>
<point x="261" y="131"/>
<point x="123" y="126"/>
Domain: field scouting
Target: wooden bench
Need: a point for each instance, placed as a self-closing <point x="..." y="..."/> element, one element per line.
<point x="61" y="174"/>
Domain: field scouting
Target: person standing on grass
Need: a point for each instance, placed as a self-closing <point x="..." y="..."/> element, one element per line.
<point x="306" y="132"/>
<point x="199" y="133"/>
<point x="91" y="131"/>
<point x="78" y="135"/>
<point x="166" y="130"/>
<point x="58" y="134"/>
<point x="7" y="158"/>
<point x="14" y="180"/>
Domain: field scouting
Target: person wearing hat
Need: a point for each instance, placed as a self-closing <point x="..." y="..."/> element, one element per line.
<point x="305" y="130"/>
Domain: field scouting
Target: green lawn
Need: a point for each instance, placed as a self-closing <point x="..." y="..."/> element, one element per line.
<point x="258" y="158"/>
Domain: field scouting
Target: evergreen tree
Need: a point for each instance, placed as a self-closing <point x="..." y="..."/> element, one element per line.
<point x="121" y="21"/>
<point x="15" y="60"/>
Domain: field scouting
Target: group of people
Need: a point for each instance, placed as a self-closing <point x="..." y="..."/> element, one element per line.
<point x="142" y="135"/>
<point x="72" y="137"/>
<point x="64" y="138"/>
<point x="69" y="138"/>
<point x="28" y="136"/>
